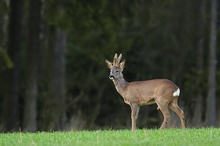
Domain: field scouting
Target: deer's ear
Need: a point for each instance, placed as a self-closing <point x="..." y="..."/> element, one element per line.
<point x="122" y="65"/>
<point x="109" y="64"/>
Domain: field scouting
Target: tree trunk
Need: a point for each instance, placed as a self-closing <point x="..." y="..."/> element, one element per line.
<point x="54" y="108"/>
<point x="30" y="105"/>
<point x="1" y="29"/>
<point x="46" y="113"/>
<point x="58" y="83"/>
<point x="10" y="103"/>
<point x="211" y="99"/>
<point x="55" y="118"/>
<point x="197" y="118"/>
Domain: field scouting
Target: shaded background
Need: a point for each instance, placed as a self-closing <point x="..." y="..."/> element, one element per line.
<point x="52" y="70"/>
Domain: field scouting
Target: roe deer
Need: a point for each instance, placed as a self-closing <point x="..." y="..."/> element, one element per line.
<point x="163" y="92"/>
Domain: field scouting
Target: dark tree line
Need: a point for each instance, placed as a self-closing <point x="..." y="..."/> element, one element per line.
<point x="53" y="74"/>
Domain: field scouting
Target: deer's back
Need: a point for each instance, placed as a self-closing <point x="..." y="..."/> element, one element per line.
<point x="146" y="91"/>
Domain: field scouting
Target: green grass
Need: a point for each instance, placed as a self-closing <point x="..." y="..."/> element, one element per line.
<point x="169" y="137"/>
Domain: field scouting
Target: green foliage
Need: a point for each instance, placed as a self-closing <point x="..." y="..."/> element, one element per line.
<point x="5" y="60"/>
<point x="196" y="81"/>
<point x="195" y="137"/>
<point x="3" y="6"/>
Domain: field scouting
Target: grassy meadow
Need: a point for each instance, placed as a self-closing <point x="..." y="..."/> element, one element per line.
<point x="148" y="137"/>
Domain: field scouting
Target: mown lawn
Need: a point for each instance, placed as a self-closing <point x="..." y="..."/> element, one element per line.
<point x="169" y="137"/>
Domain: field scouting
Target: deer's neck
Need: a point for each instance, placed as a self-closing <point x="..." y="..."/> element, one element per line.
<point x="120" y="84"/>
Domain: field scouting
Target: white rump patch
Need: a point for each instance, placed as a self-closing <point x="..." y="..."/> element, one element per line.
<point x="176" y="93"/>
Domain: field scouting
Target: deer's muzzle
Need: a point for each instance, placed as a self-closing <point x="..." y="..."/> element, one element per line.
<point x="111" y="77"/>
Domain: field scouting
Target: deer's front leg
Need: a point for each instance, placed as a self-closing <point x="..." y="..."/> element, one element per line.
<point x="134" y="114"/>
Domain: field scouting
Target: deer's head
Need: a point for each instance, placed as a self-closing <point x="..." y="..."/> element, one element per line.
<point x="116" y="67"/>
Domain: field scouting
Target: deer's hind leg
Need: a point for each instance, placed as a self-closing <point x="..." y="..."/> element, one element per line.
<point x="163" y="106"/>
<point x="174" y="106"/>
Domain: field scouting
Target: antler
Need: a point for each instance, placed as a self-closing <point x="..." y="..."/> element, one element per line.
<point x="117" y="59"/>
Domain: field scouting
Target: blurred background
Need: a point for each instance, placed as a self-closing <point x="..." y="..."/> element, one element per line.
<point x="53" y="74"/>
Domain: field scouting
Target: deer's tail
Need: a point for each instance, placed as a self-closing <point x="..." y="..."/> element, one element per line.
<point x="176" y="93"/>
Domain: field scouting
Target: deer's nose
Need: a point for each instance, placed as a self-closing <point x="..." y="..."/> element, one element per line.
<point x="111" y="77"/>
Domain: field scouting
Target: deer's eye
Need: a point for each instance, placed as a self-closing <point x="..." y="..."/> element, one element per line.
<point x="117" y="71"/>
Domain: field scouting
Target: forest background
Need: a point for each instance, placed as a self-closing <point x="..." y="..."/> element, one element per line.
<point x="53" y="74"/>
